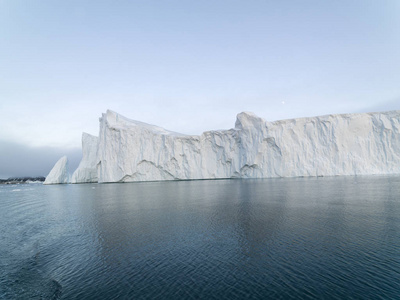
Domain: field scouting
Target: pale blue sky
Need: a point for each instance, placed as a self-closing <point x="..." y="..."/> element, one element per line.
<point x="190" y="66"/>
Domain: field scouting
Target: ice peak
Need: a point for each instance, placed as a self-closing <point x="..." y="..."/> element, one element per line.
<point x="248" y="120"/>
<point x="59" y="173"/>
<point x="118" y="121"/>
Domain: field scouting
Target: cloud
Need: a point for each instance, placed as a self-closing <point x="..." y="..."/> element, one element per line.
<point x="22" y="160"/>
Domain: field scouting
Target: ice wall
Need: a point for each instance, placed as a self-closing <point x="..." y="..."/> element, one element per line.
<point x="348" y="144"/>
<point x="87" y="170"/>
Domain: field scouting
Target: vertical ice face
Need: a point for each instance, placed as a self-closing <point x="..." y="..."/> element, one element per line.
<point x="59" y="173"/>
<point x="350" y="144"/>
<point x="87" y="170"/>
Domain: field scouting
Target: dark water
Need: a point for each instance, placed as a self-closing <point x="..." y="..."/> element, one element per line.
<point x="226" y="239"/>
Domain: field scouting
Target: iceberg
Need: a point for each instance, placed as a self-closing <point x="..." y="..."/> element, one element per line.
<point x="87" y="169"/>
<point x="59" y="173"/>
<point x="347" y="144"/>
<point x="330" y="145"/>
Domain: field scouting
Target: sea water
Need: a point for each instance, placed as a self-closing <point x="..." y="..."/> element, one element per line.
<point x="300" y="238"/>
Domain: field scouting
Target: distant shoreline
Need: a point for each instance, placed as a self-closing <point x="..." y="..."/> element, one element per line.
<point x="22" y="180"/>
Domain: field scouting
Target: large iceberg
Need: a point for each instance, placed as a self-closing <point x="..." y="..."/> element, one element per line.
<point x="59" y="173"/>
<point x="347" y="144"/>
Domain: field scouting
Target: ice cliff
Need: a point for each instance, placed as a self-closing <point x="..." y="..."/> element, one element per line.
<point x="59" y="173"/>
<point x="347" y="144"/>
<point x="87" y="170"/>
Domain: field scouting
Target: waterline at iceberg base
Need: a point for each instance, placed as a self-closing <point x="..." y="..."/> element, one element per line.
<point x="346" y="144"/>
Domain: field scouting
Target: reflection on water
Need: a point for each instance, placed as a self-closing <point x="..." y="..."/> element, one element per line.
<point x="332" y="237"/>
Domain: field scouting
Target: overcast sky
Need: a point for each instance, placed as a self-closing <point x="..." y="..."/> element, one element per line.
<point x="188" y="66"/>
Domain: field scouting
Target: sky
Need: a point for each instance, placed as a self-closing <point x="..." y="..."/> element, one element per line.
<point x="187" y="66"/>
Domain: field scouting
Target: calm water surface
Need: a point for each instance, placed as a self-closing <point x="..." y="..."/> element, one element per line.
<point x="297" y="238"/>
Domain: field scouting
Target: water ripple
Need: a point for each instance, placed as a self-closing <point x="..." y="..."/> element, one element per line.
<point x="227" y="239"/>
